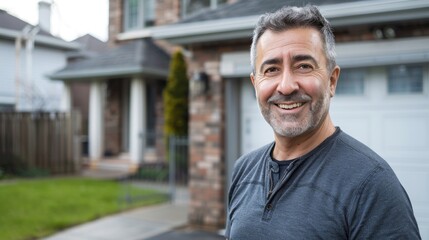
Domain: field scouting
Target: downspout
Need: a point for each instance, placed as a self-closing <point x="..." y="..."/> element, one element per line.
<point x="18" y="47"/>
<point x="29" y="62"/>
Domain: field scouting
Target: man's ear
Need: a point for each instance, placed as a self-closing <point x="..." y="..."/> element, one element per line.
<point x="333" y="80"/>
<point x="252" y="79"/>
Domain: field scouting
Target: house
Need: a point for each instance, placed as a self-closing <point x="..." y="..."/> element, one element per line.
<point x="29" y="53"/>
<point x="125" y="102"/>
<point x="382" y="94"/>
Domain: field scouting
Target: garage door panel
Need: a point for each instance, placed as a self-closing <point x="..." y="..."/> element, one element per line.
<point x="424" y="228"/>
<point x="406" y="132"/>
<point x="255" y="131"/>
<point x="415" y="182"/>
<point x="356" y="125"/>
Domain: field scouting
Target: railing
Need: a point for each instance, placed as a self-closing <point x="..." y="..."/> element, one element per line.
<point x="178" y="162"/>
<point x="44" y="141"/>
<point x="165" y="175"/>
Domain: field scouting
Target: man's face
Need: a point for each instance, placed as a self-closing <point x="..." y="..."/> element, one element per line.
<point x="292" y="83"/>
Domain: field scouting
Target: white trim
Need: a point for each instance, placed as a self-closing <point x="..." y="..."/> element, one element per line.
<point x="386" y="52"/>
<point x="137" y="117"/>
<point x="66" y="98"/>
<point x="96" y="126"/>
<point x="371" y="7"/>
<point x="104" y="73"/>
<point x="235" y="64"/>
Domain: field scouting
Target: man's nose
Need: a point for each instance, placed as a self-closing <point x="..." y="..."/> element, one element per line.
<point x="287" y="84"/>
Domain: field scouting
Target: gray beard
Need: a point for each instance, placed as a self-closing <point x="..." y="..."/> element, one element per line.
<point x="280" y="124"/>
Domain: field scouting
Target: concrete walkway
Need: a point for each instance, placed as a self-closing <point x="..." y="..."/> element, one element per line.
<point x="137" y="224"/>
<point x="164" y="221"/>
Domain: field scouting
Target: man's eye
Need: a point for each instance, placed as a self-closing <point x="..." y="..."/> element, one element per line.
<point x="305" y="68"/>
<point x="271" y="70"/>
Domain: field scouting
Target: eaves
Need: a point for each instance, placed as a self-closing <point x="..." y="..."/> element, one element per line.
<point x="344" y="14"/>
<point x="103" y="73"/>
<point x="41" y="40"/>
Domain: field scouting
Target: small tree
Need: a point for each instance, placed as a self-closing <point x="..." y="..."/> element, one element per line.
<point x="175" y="98"/>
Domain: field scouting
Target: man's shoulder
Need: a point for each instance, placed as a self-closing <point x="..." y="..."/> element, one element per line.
<point x="253" y="158"/>
<point x="355" y="152"/>
<point x="255" y="154"/>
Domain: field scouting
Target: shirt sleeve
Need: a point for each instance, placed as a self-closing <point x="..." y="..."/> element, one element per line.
<point x="382" y="209"/>
<point x="229" y="215"/>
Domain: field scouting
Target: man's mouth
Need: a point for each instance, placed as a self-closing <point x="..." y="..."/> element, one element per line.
<point x="290" y="106"/>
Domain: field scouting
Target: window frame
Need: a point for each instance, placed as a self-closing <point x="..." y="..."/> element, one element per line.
<point x="213" y="5"/>
<point x="409" y="89"/>
<point x="141" y="21"/>
<point x="364" y="72"/>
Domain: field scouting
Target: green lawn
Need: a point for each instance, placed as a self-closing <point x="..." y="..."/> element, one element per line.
<point x="39" y="207"/>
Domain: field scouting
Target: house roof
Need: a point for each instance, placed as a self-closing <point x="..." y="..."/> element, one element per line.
<point x="12" y="27"/>
<point x="141" y="56"/>
<point x="91" y="43"/>
<point x="236" y="21"/>
<point x="90" y="46"/>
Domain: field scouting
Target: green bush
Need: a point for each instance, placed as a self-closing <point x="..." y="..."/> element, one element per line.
<point x="175" y="97"/>
<point x="12" y="165"/>
<point x="31" y="172"/>
<point x="153" y="174"/>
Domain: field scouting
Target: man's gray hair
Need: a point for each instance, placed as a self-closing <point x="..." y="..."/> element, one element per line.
<point x="294" y="17"/>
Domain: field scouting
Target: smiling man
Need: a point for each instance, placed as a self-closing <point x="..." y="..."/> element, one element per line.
<point x="314" y="181"/>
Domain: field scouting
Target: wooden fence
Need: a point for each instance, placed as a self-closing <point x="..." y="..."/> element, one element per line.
<point x="45" y="141"/>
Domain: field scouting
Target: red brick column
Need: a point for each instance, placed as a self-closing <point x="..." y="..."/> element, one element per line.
<point x="207" y="164"/>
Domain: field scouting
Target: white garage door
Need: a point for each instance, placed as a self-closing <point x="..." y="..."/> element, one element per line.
<point x="387" y="108"/>
<point x="390" y="113"/>
<point x="255" y="131"/>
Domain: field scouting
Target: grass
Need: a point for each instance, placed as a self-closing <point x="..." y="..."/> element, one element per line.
<point x="39" y="207"/>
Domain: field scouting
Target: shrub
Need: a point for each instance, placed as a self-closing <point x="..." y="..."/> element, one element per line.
<point x="153" y="174"/>
<point x="12" y="165"/>
<point x="175" y="98"/>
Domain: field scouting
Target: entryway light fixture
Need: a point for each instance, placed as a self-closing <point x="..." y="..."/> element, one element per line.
<point x="199" y="83"/>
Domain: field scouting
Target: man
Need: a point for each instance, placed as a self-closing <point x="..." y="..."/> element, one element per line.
<point x="314" y="181"/>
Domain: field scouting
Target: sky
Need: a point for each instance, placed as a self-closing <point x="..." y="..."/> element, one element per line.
<point x="70" y="19"/>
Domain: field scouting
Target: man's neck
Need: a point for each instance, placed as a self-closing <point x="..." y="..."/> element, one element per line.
<point x="291" y="148"/>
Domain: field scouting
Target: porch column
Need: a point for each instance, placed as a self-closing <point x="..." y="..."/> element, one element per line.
<point x="96" y="115"/>
<point x="66" y="99"/>
<point x="137" y="118"/>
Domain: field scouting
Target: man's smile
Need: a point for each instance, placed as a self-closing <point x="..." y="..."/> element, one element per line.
<point x="290" y="106"/>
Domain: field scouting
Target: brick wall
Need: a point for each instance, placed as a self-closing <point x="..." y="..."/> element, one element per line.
<point x="207" y="169"/>
<point x="167" y="11"/>
<point x="115" y="20"/>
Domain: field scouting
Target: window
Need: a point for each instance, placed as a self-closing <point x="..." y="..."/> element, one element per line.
<point x="138" y="14"/>
<point x="405" y="79"/>
<point x="194" y="6"/>
<point x="351" y="82"/>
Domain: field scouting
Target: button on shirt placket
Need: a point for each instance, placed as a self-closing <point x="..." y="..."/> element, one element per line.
<point x="273" y="189"/>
